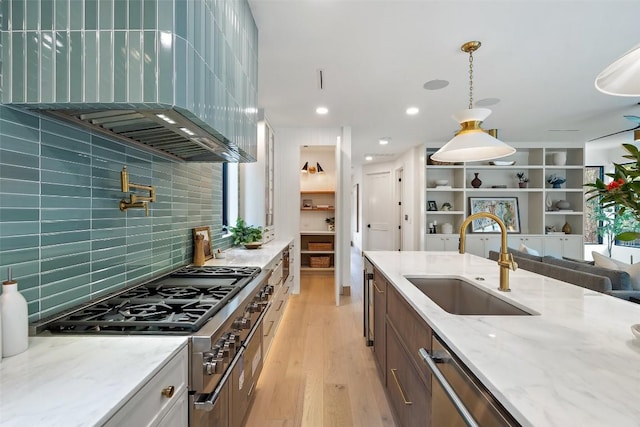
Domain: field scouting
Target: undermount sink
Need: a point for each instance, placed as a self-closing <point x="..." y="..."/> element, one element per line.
<point x="457" y="296"/>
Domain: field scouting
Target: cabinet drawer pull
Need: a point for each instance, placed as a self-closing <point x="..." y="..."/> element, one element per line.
<point x="270" y="327"/>
<point x="377" y="288"/>
<point x="280" y="306"/>
<point x="406" y="402"/>
<point x="168" y="391"/>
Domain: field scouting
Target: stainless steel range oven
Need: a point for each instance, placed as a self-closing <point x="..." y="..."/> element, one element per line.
<point x="219" y="308"/>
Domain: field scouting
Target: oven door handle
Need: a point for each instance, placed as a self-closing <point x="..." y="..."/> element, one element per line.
<point x="209" y="402"/>
<point x="431" y="361"/>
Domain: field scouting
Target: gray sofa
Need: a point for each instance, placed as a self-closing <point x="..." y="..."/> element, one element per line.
<point x="580" y="273"/>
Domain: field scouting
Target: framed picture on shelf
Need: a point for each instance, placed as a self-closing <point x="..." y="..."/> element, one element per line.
<point x="431" y="205"/>
<point x="206" y="232"/>
<point x="307" y="204"/>
<point x="505" y="208"/>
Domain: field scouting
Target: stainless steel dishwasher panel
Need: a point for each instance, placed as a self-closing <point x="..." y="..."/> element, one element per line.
<point x="458" y="398"/>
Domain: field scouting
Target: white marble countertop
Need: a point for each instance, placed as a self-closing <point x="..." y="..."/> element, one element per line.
<point x="78" y="380"/>
<point x="574" y="364"/>
<point x="261" y="257"/>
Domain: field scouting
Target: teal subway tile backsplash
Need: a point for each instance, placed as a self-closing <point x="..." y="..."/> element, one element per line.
<point x="60" y="226"/>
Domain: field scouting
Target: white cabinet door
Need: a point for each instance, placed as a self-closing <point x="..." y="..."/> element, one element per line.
<point x="442" y="242"/>
<point x="532" y="242"/>
<point x="178" y="415"/>
<point x="572" y="247"/>
<point x="164" y="393"/>
<point x="481" y="244"/>
<point x="564" y="246"/>
<point x="553" y="246"/>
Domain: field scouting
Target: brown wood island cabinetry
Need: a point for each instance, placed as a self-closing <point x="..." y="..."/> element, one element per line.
<point x="398" y="334"/>
<point x="380" y="313"/>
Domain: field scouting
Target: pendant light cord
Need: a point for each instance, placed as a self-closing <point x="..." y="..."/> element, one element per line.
<point x="470" y="79"/>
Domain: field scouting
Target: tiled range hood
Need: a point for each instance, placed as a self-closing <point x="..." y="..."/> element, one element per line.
<point x="177" y="77"/>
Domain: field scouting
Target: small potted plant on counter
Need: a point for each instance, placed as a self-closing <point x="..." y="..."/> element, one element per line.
<point x="331" y="223"/>
<point x="247" y="235"/>
<point x="523" y="181"/>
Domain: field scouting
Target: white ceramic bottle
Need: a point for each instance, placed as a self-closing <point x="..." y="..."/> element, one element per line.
<point x="15" y="319"/>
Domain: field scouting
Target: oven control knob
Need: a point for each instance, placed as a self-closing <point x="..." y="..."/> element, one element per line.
<point x="242" y="323"/>
<point x="231" y="344"/>
<point x="226" y="349"/>
<point x="235" y="338"/>
<point x="268" y="290"/>
<point x="213" y="366"/>
<point x="253" y="307"/>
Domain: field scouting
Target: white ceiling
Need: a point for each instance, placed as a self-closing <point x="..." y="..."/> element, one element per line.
<point x="540" y="58"/>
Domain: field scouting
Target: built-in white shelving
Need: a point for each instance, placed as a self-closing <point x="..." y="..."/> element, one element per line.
<point x="535" y="217"/>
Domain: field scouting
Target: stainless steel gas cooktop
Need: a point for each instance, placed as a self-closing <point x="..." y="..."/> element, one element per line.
<point x="178" y="304"/>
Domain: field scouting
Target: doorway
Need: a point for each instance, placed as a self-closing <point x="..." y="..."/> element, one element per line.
<point x="379" y="212"/>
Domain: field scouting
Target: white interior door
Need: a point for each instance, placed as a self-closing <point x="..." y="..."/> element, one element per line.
<point x="379" y="210"/>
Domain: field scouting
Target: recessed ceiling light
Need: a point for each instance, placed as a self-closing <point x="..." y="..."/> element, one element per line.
<point x="435" y="84"/>
<point x="487" y="102"/>
<point x="384" y="141"/>
<point x="322" y="110"/>
<point x="368" y="158"/>
<point x="412" y="111"/>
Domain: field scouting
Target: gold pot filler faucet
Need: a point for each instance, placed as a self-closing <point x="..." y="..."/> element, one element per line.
<point x="505" y="261"/>
<point x="135" y="201"/>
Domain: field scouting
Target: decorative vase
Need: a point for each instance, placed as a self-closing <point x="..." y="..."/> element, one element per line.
<point x="559" y="158"/>
<point x="331" y="227"/>
<point x="556" y="185"/>
<point x="522" y="184"/>
<point x="476" y="182"/>
<point x="566" y="228"/>
<point x="563" y="205"/>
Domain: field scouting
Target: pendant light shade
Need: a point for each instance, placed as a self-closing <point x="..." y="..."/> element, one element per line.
<point x="320" y="170"/>
<point x="472" y="143"/>
<point x="622" y="77"/>
<point x="305" y="168"/>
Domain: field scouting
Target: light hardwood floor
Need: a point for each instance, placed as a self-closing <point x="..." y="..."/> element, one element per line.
<point x="319" y="371"/>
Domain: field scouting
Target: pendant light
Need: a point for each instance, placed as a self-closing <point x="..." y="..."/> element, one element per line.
<point x="472" y="143"/>
<point x="320" y="170"/>
<point x="305" y="168"/>
<point x="622" y="77"/>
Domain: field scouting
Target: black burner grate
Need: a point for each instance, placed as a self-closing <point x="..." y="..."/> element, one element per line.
<point x="217" y="271"/>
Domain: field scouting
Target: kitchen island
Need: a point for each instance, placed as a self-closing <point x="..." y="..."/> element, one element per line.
<point x="574" y="362"/>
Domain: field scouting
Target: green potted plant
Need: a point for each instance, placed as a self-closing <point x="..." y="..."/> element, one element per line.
<point x="247" y="235"/>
